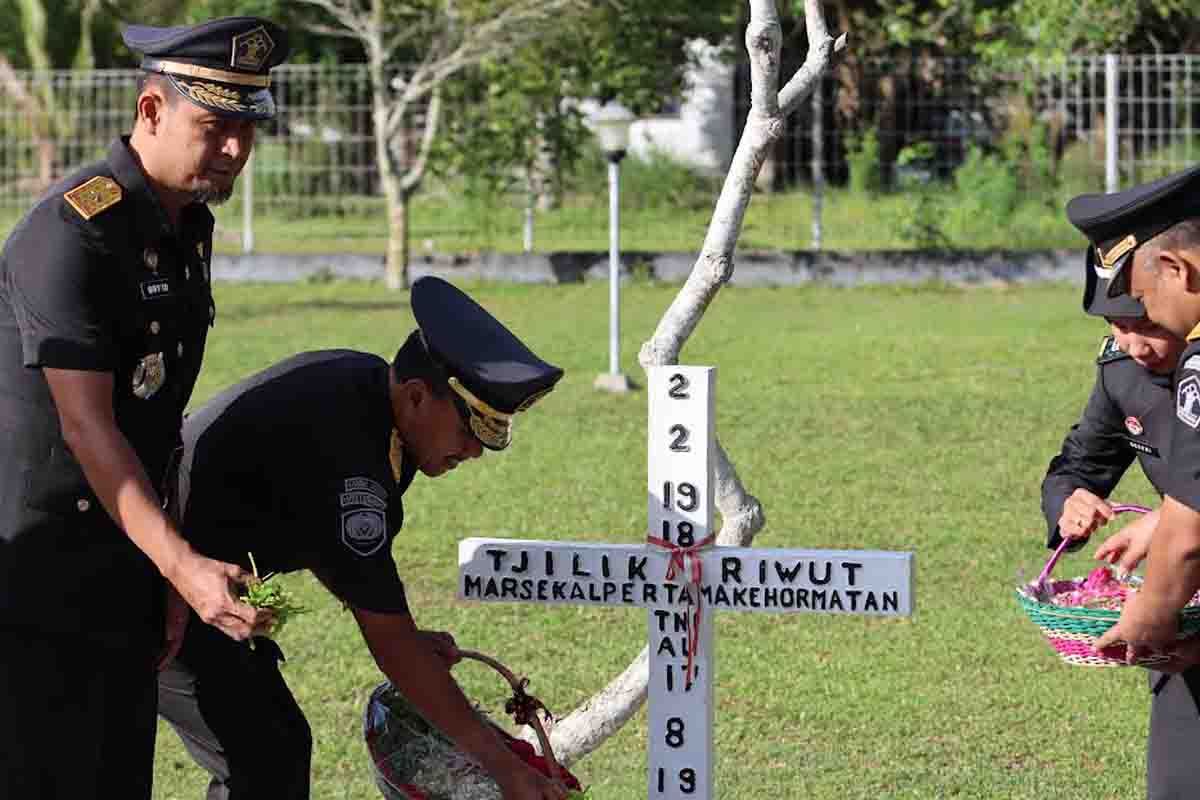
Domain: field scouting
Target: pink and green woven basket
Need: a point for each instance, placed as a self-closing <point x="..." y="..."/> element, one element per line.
<point x="1072" y="630"/>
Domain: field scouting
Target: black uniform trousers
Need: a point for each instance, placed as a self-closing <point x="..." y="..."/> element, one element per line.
<point x="76" y="718"/>
<point x="236" y="716"/>
<point x="1173" y="749"/>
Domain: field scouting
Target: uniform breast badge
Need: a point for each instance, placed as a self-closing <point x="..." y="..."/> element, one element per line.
<point x="149" y="376"/>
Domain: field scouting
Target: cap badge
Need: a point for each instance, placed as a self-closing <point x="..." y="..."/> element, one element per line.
<point x="93" y="196"/>
<point x="150" y="256"/>
<point x="1109" y="259"/>
<point x="1134" y="426"/>
<point x="250" y="49"/>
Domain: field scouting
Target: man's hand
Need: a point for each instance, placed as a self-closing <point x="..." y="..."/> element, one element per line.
<point x="206" y="585"/>
<point x="1127" y="548"/>
<point x="1145" y="628"/>
<point x="526" y="783"/>
<point x="177" y="614"/>
<point x="1083" y="513"/>
<point x="443" y="644"/>
<point x="1184" y="656"/>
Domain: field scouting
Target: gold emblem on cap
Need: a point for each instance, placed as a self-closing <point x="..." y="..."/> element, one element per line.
<point x="1109" y="259"/>
<point x="93" y="196"/>
<point x="210" y="94"/>
<point x="250" y="49"/>
<point x="492" y="427"/>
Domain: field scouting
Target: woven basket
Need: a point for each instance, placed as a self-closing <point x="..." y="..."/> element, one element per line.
<point x="1073" y="631"/>
<point x="413" y="760"/>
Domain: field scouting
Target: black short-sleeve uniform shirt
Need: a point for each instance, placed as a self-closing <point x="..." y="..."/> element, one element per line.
<point x="1184" y="482"/>
<point x="1128" y="415"/>
<point x="293" y="465"/>
<point x="93" y="278"/>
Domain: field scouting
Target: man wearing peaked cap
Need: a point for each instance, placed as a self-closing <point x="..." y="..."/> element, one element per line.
<point x="222" y="66"/>
<point x="1147" y="242"/>
<point x="1129" y="416"/>
<point x="105" y="307"/>
<point x="305" y="465"/>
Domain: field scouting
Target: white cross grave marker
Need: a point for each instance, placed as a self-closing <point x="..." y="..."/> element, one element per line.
<point x="680" y="499"/>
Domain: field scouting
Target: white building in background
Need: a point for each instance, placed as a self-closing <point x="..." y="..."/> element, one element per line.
<point x="699" y="131"/>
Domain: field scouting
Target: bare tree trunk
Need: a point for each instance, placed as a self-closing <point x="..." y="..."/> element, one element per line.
<point x="85" y="57"/>
<point x="396" y="275"/>
<point x="585" y="728"/>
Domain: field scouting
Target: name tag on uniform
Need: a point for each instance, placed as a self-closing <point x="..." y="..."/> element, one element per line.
<point x="1142" y="447"/>
<point x="156" y="288"/>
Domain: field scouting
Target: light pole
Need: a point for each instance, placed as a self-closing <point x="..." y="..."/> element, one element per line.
<point x="611" y="124"/>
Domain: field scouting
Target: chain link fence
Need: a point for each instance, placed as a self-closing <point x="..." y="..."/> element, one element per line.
<point x="1098" y="121"/>
<point x="927" y="113"/>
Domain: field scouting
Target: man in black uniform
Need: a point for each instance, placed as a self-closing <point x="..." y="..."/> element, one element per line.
<point x="304" y="465"/>
<point x="104" y="309"/>
<point x="1148" y="244"/>
<point x="1128" y="416"/>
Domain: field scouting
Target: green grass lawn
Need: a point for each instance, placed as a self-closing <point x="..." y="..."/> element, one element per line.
<point x="917" y="419"/>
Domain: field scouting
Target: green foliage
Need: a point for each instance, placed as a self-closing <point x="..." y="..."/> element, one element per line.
<point x="514" y="121"/>
<point x="862" y="156"/>
<point x="915" y="163"/>
<point x="919" y="219"/>
<point x="986" y="183"/>
<point x="261" y="593"/>
<point x="655" y="183"/>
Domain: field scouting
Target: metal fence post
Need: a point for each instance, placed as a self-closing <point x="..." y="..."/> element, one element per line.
<point x="1111" y="181"/>
<point x="248" y="205"/>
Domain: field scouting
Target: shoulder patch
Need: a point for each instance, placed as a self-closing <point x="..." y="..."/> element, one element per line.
<point x="364" y="530"/>
<point x="1109" y="351"/>
<point x="93" y="196"/>
<point x="1187" y="401"/>
<point x="1193" y="363"/>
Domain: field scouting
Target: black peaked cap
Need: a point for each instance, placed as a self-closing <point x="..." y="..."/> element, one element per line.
<point x="492" y="373"/>
<point x="1117" y="224"/>
<point x="222" y="65"/>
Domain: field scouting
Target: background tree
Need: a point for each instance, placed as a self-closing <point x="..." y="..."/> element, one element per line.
<point x="440" y="38"/>
<point x="636" y="53"/>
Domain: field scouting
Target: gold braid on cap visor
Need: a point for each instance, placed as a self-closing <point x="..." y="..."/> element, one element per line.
<point x="492" y="427"/>
<point x="1107" y="267"/>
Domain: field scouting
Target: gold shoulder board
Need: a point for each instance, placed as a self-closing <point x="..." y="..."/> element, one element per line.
<point x="93" y="196"/>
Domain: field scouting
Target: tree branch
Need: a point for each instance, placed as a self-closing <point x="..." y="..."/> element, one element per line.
<point x="347" y="13"/>
<point x="412" y="178"/>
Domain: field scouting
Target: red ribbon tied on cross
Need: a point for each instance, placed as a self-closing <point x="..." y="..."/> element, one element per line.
<point x="681" y="559"/>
